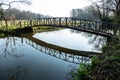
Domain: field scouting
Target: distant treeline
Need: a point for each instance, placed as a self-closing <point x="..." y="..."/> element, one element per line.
<point x="87" y="13"/>
<point x="22" y="15"/>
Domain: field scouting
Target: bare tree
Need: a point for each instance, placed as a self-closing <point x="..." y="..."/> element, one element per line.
<point x="108" y="7"/>
<point x="9" y="5"/>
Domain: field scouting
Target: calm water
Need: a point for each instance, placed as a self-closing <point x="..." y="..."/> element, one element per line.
<point x="22" y="58"/>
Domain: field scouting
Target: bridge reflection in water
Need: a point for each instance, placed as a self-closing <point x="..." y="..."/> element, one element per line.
<point x="65" y="54"/>
<point x="61" y="55"/>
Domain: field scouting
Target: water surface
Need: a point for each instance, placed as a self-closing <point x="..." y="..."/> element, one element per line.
<point x="23" y="59"/>
<point x="71" y="39"/>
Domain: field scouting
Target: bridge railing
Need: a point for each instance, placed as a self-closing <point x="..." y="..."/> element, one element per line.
<point x="93" y="26"/>
<point x="85" y="24"/>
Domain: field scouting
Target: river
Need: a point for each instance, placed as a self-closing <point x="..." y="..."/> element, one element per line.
<point x="45" y="55"/>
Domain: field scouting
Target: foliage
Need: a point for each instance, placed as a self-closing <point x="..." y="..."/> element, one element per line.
<point x="95" y="62"/>
<point x="104" y="67"/>
<point x="104" y="48"/>
<point x="2" y="35"/>
<point x="108" y="8"/>
<point x="22" y="15"/>
<point x="116" y="19"/>
<point x="88" y="13"/>
<point x="82" y="72"/>
<point x="99" y="10"/>
<point x="106" y="19"/>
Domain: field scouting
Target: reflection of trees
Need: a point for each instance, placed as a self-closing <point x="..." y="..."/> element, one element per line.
<point x="16" y="73"/>
<point x="9" y="47"/>
<point x="75" y="31"/>
<point x="96" y="40"/>
<point x="70" y="74"/>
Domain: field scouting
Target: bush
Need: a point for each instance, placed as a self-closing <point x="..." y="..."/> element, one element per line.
<point x="82" y="73"/>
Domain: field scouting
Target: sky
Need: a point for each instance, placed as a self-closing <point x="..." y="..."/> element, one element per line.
<point x="55" y="8"/>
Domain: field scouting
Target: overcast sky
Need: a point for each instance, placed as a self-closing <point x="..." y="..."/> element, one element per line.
<point x="56" y="8"/>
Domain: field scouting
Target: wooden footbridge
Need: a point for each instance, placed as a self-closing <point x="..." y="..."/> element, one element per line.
<point x="94" y="27"/>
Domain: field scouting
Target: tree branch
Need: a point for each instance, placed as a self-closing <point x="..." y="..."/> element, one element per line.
<point x="17" y="1"/>
<point x="20" y="1"/>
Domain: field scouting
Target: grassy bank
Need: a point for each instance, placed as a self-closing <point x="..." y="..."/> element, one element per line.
<point x="105" y="67"/>
<point x="14" y="30"/>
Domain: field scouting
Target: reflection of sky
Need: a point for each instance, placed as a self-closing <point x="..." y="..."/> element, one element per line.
<point x="66" y="38"/>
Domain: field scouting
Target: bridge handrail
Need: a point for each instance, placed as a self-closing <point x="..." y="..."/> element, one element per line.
<point x="81" y="19"/>
<point x="95" y="27"/>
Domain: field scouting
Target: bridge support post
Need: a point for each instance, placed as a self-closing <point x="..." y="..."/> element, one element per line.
<point x="30" y="22"/>
<point x="54" y="21"/>
<point x="24" y="24"/>
<point x="75" y="22"/>
<point x="90" y="27"/>
<point x="80" y="23"/>
<point x="96" y="26"/>
<point x="66" y="22"/>
<point x="44" y="21"/>
<point x="20" y="25"/>
<point x="59" y="21"/>
<point x="49" y="21"/>
<point x="72" y="22"/>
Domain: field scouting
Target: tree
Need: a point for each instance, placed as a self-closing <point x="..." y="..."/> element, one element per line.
<point x="107" y="8"/>
<point x="88" y="13"/>
<point x="73" y="13"/>
<point x="9" y="5"/>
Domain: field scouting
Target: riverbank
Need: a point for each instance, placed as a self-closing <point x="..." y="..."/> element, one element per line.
<point x="19" y="31"/>
<point x="105" y="67"/>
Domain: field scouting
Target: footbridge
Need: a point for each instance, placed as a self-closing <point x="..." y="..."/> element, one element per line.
<point x="95" y="27"/>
